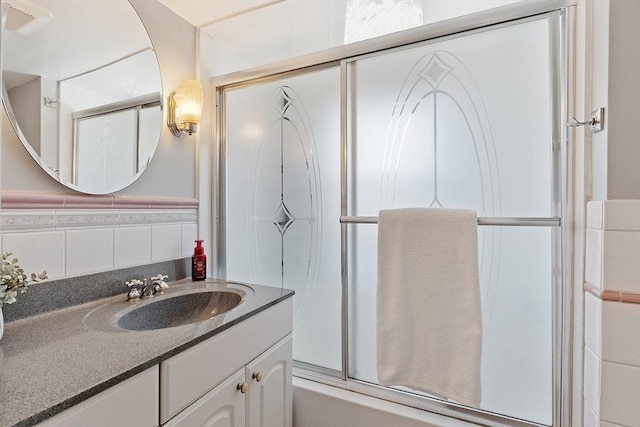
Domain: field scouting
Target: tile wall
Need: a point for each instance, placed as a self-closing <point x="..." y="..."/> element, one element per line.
<point x="70" y="236"/>
<point x="612" y="315"/>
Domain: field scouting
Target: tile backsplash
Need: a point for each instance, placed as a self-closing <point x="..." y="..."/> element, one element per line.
<point x="89" y="241"/>
<point x="56" y="294"/>
<point x="75" y="235"/>
<point x="90" y="245"/>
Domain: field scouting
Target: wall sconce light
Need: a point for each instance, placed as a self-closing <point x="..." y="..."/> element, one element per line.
<point x="185" y="108"/>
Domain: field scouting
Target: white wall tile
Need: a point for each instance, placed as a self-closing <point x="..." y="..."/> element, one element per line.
<point x="620" y="395"/>
<point x="592" y="380"/>
<point x="88" y="251"/>
<point x="621" y="260"/>
<point x="37" y="251"/>
<point x="593" y="259"/>
<point x="166" y="242"/>
<point x="593" y="324"/>
<point x="622" y="215"/>
<point x="621" y="333"/>
<point x="595" y="214"/>
<point x="189" y="235"/>
<point x="590" y="419"/>
<point x="131" y="246"/>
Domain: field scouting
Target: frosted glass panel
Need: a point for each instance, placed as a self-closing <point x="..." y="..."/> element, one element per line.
<point x="283" y="201"/>
<point x="463" y="123"/>
<point x="106" y="151"/>
<point x="516" y="311"/>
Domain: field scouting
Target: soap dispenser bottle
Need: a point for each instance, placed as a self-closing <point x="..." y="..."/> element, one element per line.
<point x="198" y="262"/>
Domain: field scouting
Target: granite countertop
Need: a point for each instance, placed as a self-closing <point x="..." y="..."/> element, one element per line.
<point x="54" y="360"/>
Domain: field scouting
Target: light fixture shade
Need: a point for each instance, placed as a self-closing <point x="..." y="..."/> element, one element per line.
<point x="189" y="99"/>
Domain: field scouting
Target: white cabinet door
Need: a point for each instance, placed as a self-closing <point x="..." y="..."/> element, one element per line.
<point x="269" y="400"/>
<point x="224" y="406"/>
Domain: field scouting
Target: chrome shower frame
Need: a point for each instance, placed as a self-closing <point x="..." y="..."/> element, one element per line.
<point x="559" y="14"/>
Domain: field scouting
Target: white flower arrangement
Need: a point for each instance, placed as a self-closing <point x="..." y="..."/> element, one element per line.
<point x="13" y="279"/>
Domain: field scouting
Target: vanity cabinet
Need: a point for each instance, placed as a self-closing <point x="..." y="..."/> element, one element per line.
<point x="260" y="394"/>
<point x="238" y="377"/>
<point x="199" y="386"/>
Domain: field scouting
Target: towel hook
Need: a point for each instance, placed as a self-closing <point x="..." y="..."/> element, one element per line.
<point x="595" y="122"/>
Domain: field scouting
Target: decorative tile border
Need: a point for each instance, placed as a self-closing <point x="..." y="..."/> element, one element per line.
<point x="130" y="218"/>
<point x="615" y="296"/>
<point x="27" y="221"/>
<point x="59" y="219"/>
<point x="88" y="219"/>
<point x="39" y="200"/>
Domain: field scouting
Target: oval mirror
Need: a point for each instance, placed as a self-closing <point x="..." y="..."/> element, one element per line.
<point x="82" y="89"/>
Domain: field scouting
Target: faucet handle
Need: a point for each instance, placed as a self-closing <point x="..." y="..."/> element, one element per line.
<point x="134" y="291"/>
<point x="159" y="280"/>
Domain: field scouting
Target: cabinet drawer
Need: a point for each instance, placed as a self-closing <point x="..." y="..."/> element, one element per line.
<point x="133" y="402"/>
<point x="192" y="373"/>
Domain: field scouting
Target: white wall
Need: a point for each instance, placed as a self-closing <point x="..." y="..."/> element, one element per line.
<point x="623" y="151"/>
<point x="172" y="171"/>
<point x="615" y="68"/>
<point x="26" y="108"/>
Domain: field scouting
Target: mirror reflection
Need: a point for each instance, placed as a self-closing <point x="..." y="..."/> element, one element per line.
<point x="82" y="89"/>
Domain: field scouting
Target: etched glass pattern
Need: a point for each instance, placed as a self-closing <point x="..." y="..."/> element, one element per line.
<point x="282" y="201"/>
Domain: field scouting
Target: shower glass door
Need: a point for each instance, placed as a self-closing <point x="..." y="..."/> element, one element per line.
<point x="464" y="123"/>
<point x="469" y="121"/>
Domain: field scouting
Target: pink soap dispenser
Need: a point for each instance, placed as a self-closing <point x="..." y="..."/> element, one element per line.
<point x="198" y="262"/>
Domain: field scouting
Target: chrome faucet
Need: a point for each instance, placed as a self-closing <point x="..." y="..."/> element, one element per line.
<point x="149" y="288"/>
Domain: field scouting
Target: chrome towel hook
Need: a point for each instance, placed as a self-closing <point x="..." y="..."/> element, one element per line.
<point x="596" y="122"/>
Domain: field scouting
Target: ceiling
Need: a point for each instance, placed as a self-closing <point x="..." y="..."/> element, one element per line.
<point x="203" y="12"/>
<point x="49" y="45"/>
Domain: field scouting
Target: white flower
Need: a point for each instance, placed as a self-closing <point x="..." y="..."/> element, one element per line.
<point x="9" y="297"/>
<point x="13" y="279"/>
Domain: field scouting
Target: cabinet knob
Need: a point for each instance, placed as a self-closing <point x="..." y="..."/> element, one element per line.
<point x="244" y="387"/>
<point x="257" y="376"/>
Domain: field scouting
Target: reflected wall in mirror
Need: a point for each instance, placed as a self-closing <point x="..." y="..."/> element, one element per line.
<point x="82" y="89"/>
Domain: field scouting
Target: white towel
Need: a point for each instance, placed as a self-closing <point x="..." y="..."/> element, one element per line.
<point x="429" y="322"/>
